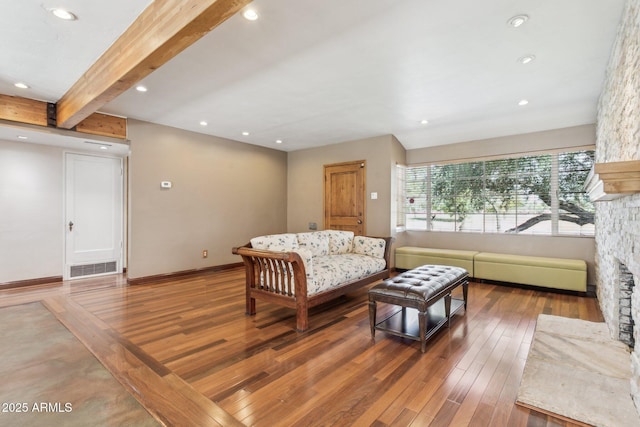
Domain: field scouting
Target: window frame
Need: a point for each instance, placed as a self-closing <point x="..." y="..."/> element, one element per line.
<point x="554" y="188"/>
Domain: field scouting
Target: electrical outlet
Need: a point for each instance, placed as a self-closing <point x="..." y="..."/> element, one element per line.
<point x="205" y="253"/>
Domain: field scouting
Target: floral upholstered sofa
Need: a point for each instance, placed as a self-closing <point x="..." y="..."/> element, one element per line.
<point x="301" y="270"/>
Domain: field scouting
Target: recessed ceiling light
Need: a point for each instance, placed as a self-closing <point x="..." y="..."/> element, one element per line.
<point x="526" y="59"/>
<point x="63" y="14"/>
<point x="203" y="123"/>
<point x="523" y="102"/>
<point x="141" y="88"/>
<point x="250" y="15"/>
<point x="424" y="122"/>
<point x="245" y="133"/>
<point x="104" y="147"/>
<point x="21" y="85"/>
<point x="518" y="20"/>
<point x="278" y="141"/>
<point x="22" y="137"/>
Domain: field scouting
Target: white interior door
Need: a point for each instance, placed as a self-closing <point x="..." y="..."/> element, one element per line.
<point x="93" y="215"/>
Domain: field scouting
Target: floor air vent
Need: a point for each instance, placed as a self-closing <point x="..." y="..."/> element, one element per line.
<point x="91" y="269"/>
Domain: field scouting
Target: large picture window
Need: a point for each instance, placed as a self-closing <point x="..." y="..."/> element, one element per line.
<point x="534" y="194"/>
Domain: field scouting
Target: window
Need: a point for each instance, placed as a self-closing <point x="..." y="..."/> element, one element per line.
<point x="416" y="198"/>
<point x="399" y="197"/>
<point x="535" y="194"/>
<point x="576" y="211"/>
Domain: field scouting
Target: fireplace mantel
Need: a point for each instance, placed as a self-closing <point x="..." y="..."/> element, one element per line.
<point x="612" y="180"/>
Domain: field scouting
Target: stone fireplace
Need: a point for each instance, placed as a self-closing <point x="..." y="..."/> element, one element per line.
<point x="617" y="270"/>
<point x="618" y="217"/>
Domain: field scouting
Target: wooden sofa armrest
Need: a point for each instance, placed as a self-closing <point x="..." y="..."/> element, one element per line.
<point x="273" y="271"/>
<point x="247" y="250"/>
<point x="387" y="249"/>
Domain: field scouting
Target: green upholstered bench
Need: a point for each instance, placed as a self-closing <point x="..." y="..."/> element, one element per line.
<point x="556" y="273"/>
<point x="410" y="257"/>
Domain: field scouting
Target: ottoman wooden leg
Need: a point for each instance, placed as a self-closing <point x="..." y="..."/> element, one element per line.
<point x="465" y="291"/>
<point x="422" y="324"/>
<point x="372" y="318"/>
<point x="447" y="309"/>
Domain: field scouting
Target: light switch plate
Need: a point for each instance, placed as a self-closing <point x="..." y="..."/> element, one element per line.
<point x="374" y="196"/>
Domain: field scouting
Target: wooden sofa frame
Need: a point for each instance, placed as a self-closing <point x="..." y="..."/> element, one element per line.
<point x="278" y="271"/>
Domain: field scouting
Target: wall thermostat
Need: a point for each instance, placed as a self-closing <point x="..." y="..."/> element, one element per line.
<point x="165" y="184"/>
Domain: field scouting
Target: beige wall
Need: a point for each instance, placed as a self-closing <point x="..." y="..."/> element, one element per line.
<point x="305" y="202"/>
<point x="576" y="136"/>
<point x="554" y="246"/>
<point x="31" y="235"/>
<point x="224" y="192"/>
<point x="305" y="181"/>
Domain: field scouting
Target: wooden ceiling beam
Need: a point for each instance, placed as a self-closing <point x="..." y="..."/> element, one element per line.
<point x="34" y="112"/>
<point x="23" y="110"/>
<point x="163" y="30"/>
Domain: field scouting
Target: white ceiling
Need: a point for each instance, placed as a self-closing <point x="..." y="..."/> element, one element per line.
<point x="313" y="72"/>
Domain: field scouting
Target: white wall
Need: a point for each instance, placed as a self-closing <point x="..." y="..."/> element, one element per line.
<point x="31" y="220"/>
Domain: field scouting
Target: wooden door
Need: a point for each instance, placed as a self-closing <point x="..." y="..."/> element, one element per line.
<point x="344" y="197"/>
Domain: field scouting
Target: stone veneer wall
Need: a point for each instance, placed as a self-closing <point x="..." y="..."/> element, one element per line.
<point x="618" y="221"/>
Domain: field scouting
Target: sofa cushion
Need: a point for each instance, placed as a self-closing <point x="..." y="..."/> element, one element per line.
<point x="410" y="257"/>
<point x="307" y="260"/>
<point x="331" y="271"/>
<point x="556" y="273"/>
<point x="369" y="246"/>
<point x="566" y="264"/>
<point x="440" y="253"/>
<point x="340" y="242"/>
<point x="316" y="241"/>
<point x="276" y="242"/>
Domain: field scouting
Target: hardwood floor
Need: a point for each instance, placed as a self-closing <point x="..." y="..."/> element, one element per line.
<point x="187" y="352"/>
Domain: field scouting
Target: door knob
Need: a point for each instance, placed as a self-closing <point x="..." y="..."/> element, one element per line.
<point x="70" y="225"/>
<point x="359" y="221"/>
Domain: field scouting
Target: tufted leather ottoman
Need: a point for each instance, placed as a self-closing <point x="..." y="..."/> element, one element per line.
<point x="419" y="289"/>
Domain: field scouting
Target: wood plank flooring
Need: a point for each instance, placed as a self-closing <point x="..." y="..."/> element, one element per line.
<point x="187" y="352"/>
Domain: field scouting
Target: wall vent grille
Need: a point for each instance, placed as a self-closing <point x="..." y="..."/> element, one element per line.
<point x="93" y="269"/>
